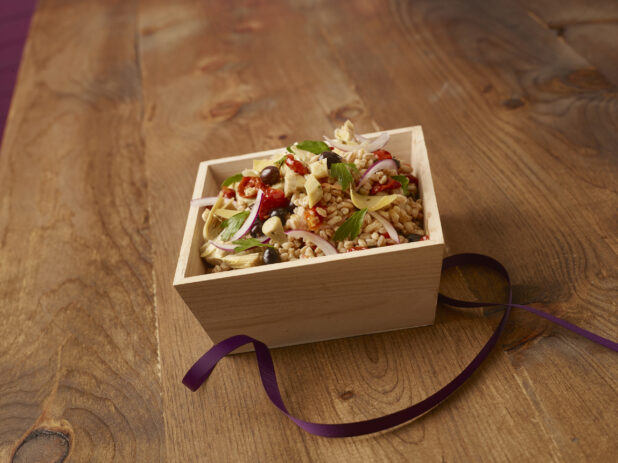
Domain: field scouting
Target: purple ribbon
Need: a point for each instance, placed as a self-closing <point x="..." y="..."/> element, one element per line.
<point x="202" y="369"/>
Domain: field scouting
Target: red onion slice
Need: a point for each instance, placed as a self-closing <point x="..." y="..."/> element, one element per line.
<point x="246" y="226"/>
<point x="207" y="201"/>
<point x="369" y="145"/>
<point x="377" y="143"/>
<point x="387" y="226"/>
<point x="376" y="166"/>
<point x="340" y="145"/>
<point x="327" y="248"/>
<point x="229" y="247"/>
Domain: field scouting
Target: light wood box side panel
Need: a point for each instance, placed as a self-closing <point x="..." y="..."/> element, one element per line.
<point x="329" y="300"/>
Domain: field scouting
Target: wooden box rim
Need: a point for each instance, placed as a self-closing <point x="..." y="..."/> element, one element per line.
<point x="430" y="211"/>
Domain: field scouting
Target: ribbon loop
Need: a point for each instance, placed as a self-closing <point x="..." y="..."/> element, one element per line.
<point x="202" y="369"/>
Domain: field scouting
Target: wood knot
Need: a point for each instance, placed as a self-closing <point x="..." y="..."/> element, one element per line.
<point x="282" y="136"/>
<point x="347" y="395"/>
<point x="42" y="446"/>
<point x="252" y="25"/>
<point x="588" y="79"/>
<point x="513" y="103"/>
<point x="346" y="112"/>
<point x="225" y="110"/>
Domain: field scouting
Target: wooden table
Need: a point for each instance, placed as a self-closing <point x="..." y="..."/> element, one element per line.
<point x="116" y="104"/>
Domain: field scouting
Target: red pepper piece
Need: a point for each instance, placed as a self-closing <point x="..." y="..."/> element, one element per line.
<point x="383" y="154"/>
<point x="247" y="182"/>
<point x="313" y="219"/>
<point x="273" y="199"/>
<point x="228" y="192"/>
<point x="295" y="165"/>
<point x="392" y="184"/>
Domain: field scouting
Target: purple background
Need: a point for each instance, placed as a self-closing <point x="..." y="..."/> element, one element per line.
<point x="14" y="21"/>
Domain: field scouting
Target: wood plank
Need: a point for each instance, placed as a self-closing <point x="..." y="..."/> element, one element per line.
<point x="522" y="173"/>
<point x="531" y="136"/>
<point x="590" y="29"/>
<point x="79" y="361"/>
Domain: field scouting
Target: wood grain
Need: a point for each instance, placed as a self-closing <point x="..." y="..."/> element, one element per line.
<point x="80" y="372"/>
<point x="521" y="130"/>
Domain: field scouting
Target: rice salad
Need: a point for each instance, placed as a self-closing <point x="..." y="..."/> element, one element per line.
<point x="315" y="198"/>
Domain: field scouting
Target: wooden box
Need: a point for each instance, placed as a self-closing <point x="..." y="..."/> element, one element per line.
<point x="320" y="298"/>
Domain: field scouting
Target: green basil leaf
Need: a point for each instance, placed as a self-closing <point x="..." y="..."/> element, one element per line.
<point x="315" y="147"/>
<point x="233" y="179"/>
<point x="289" y="148"/>
<point x="233" y="224"/>
<point x="404" y="183"/>
<point x="352" y="167"/>
<point x="342" y="172"/>
<point x="351" y="227"/>
<point x="247" y="243"/>
<point x="280" y="162"/>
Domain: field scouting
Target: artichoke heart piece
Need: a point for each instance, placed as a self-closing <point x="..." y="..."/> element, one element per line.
<point x="273" y="228"/>
<point x="211" y="223"/>
<point x="319" y="169"/>
<point x="371" y="203"/>
<point x="226" y="213"/>
<point x="292" y="182"/>
<point x="302" y="155"/>
<point x="212" y="254"/>
<point x="243" y="260"/>
<point x="314" y="190"/>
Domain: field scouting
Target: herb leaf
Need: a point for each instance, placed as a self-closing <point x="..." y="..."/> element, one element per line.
<point x="352" y="167"/>
<point x="342" y="172"/>
<point x="247" y="243"/>
<point x="315" y="147"/>
<point x="404" y="183"/>
<point x="233" y="224"/>
<point x="233" y="179"/>
<point x="280" y="162"/>
<point x="289" y="149"/>
<point x="351" y="227"/>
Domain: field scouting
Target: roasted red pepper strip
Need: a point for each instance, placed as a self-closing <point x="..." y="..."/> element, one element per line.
<point x="383" y="154"/>
<point x="247" y="182"/>
<point x="392" y="184"/>
<point x="228" y="192"/>
<point x="313" y="219"/>
<point x="295" y="165"/>
<point x="273" y="199"/>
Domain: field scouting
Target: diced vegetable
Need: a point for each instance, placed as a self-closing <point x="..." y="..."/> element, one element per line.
<point x="292" y="182"/>
<point x="273" y="228"/>
<point x="314" y="190"/>
<point x="371" y="203"/>
<point x="225" y="213"/>
<point x="210" y="231"/>
<point x="244" y="261"/>
<point x="319" y="169"/>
